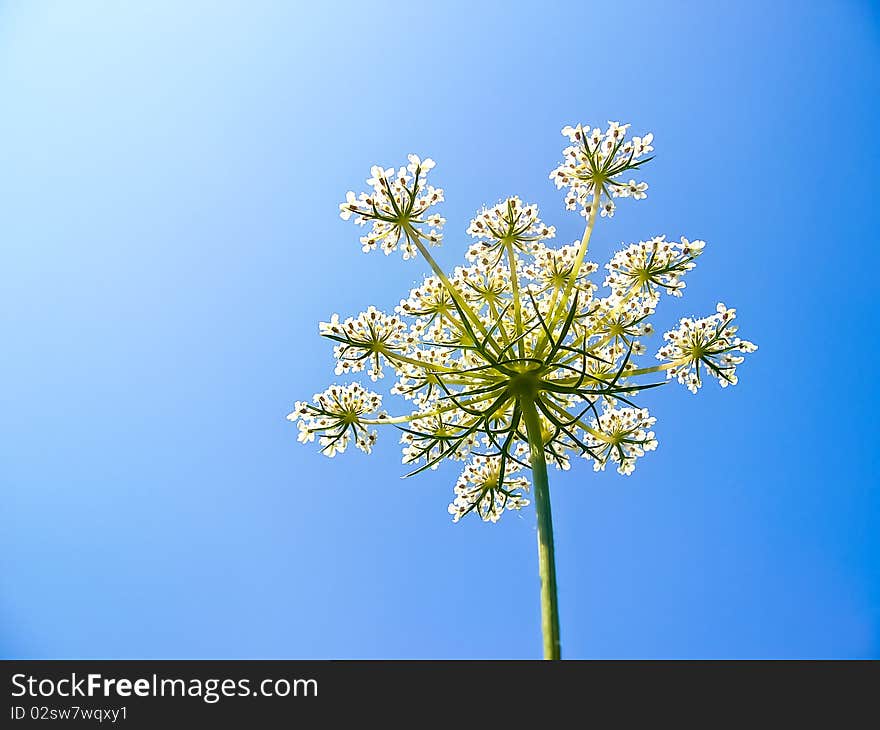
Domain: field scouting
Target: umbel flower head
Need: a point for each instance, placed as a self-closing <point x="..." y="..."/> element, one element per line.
<point x="398" y="207"/>
<point x="517" y="359"/>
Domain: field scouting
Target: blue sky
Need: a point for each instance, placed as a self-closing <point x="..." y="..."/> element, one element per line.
<point x="169" y="180"/>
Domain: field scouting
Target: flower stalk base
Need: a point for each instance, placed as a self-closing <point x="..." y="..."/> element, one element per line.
<point x="546" y="557"/>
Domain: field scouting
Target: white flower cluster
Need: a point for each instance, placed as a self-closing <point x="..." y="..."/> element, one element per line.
<point x="518" y="336"/>
<point x="483" y="284"/>
<point x="621" y="435"/>
<point x="417" y="378"/>
<point x="705" y="345"/>
<point x="618" y="325"/>
<point x="596" y="163"/>
<point x="429" y="300"/>
<point x="368" y="338"/>
<point x="648" y="266"/>
<point x="337" y="416"/>
<point x="482" y="489"/>
<point x="398" y="208"/>
<point x="509" y="223"/>
<point x="552" y="268"/>
<point x="436" y="437"/>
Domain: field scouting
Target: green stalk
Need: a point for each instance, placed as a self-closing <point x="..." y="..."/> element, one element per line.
<point x="582" y="251"/>
<point x="517" y="306"/>
<point x="546" y="559"/>
<point x="434" y="412"/>
<point x="454" y="293"/>
<point x="556" y="311"/>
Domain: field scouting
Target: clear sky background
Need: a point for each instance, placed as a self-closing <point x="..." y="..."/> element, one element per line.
<point x="169" y="239"/>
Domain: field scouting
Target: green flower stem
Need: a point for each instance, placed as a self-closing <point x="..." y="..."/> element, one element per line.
<point x="517" y="307"/>
<point x="607" y="338"/>
<point x="456" y="295"/>
<point x="454" y="322"/>
<point x="425" y="365"/>
<point x="555" y="311"/>
<point x="546" y="560"/>
<point x="493" y="310"/>
<point x="582" y="252"/>
<point x="631" y="373"/>
<point x="567" y="418"/>
<point x="427" y="414"/>
<point x="656" y="368"/>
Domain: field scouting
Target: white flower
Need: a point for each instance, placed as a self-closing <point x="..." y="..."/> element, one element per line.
<point x="553" y="267"/>
<point x="595" y="163"/>
<point x="483" y="489"/>
<point x="418" y="380"/>
<point x="432" y="438"/>
<point x="634" y="190"/>
<point x="642" y="145"/>
<point x="338" y="415"/>
<point x="415" y="163"/>
<point x="510" y="222"/>
<point x="647" y="267"/>
<point x="705" y="345"/>
<point x="368" y="339"/>
<point x="398" y="209"/>
<point x="620" y="435"/>
<point x="517" y="335"/>
<point x="428" y="300"/>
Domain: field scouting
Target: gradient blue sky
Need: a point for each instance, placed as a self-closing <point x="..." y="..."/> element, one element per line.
<point x="169" y="180"/>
